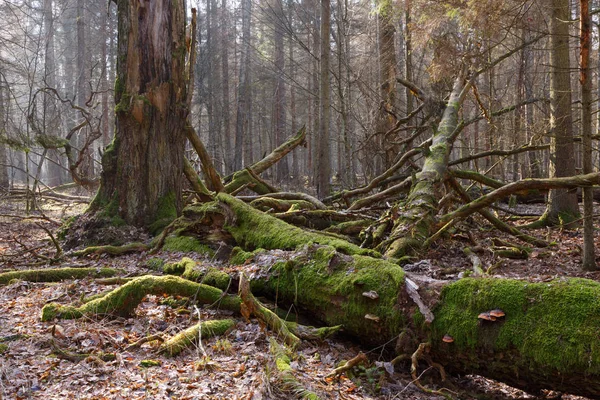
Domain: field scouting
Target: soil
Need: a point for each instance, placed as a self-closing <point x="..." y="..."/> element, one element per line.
<point x="238" y="365"/>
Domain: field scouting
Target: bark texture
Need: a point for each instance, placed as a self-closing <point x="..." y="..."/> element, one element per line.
<point x="563" y="206"/>
<point x="141" y="180"/>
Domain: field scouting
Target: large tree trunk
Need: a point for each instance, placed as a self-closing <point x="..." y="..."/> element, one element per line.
<point x="141" y="180"/>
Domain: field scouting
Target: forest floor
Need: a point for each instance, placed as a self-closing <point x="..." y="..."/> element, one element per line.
<point x="238" y="365"/>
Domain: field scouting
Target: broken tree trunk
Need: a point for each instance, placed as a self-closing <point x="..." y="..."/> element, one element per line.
<point x="413" y="228"/>
<point x="240" y="178"/>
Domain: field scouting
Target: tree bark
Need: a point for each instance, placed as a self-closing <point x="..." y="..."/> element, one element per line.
<point x="589" y="251"/>
<point x="324" y="154"/>
<point x="563" y="207"/>
<point x="142" y="168"/>
<point x="243" y="145"/>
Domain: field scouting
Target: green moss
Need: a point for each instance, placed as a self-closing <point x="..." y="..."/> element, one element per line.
<point x="333" y="283"/>
<point x="3" y="348"/>
<point x="239" y="256"/>
<point x="154" y="264"/>
<point x="551" y="325"/>
<point x="149" y="363"/>
<point x="123" y="300"/>
<point x="119" y="88"/>
<point x="165" y="213"/>
<point x="179" y="267"/>
<point x="124" y="105"/>
<point x="187" y="268"/>
<point x="190" y="336"/>
<point x="216" y="278"/>
<point x="64" y="228"/>
<point x="254" y="229"/>
<point x="57" y="274"/>
<point x="187" y="244"/>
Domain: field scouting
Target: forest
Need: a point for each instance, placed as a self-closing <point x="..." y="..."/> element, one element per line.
<point x="269" y="199"/>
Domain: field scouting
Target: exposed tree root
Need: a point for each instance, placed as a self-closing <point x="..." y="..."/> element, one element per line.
<point x="360" y="358"/>
<point x="152" y="338"/>
<point x="251" y="306"/>
<point x="422" y="352"/>
<point x="112" y="250"/>
<point x="123" y="300"/>
<point x="195" y="334"/>
<point x="266" y="203"/>
<point x="57" y="274"/>
<point x="289" y="196"/>
<point x="77" y="357"/>
<point x="288" y="382"/>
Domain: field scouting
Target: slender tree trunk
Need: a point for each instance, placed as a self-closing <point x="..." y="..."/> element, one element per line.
<point x="408" y="57"/>
<point x="4" y="181"/>
<point x="226" y="114"/>
<point x="314" y="141"/>
<point x="279" y="115"/>
<point x="106" y="136"/>
<point x="562" y="207"/>
<point x="387" y="81"/>
<point x="142" y="169"/>
<point x="295" y="170"/>
<point x="87" y="167"/>
<point x="243" y="146"/>
<point x="324" y="156"/>
<point x="50" y="111"/>
<point x="589" y="252"/>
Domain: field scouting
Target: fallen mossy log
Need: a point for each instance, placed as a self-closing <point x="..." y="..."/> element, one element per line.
<point x="546" y="340"/>
<point x="123" y="300"/>
<point x="112" y="250"/>
<point x="57" y="274"/>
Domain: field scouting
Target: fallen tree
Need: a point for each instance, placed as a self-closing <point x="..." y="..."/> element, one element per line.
<point x="530" y="335"/>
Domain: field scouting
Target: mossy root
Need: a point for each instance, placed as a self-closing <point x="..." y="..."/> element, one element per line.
<point x="57" y="274"/>
<point x="123" y="300"/>
<point x="194" y="334"/>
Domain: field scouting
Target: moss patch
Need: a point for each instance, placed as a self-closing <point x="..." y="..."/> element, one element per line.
<point x="57" y="275"/>
<point x="190" y="336"/>
<point x="189" y="269"/>
<point x="165" y="213"/>
<point x="552" y="325"/>
<point x="332" y="285"/>
<point x="187" y="244"/>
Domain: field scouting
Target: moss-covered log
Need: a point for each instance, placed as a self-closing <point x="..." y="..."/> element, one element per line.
<point x="194" y="334"/>
<point x="57" y="274"/>
<point x="112" y="250"/>
<point x="547" y="338"/>
<point x="123" y="300"/>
